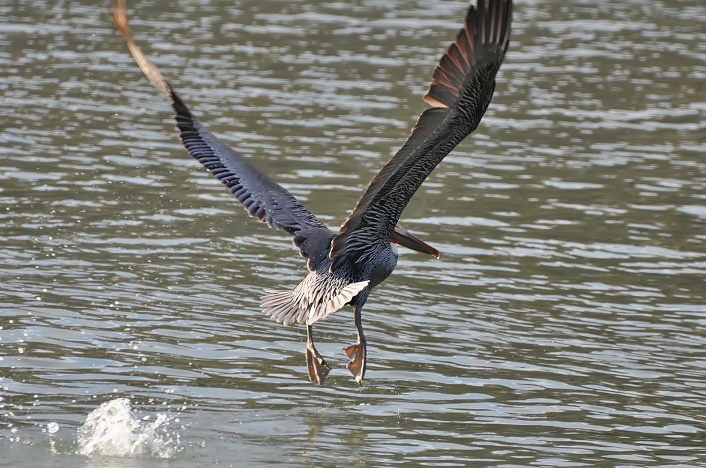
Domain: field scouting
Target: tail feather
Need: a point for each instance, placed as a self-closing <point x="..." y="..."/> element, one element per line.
<point x="281" y="306"/>
<point x="313" y="299"/>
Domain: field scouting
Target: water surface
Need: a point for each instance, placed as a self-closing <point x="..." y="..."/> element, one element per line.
<point x="564" y="324"/>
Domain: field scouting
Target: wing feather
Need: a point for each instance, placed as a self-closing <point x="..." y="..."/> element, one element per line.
<point x="263" y="198"/>
<point x="461" y="89"/>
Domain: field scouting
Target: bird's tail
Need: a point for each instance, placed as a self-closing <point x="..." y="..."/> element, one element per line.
<point x="281" y="306"/>
<point x="310" y="301"/>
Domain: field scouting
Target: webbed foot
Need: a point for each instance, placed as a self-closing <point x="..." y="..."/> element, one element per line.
<point x="356" y="353"/>
<point x="318" y="369"/>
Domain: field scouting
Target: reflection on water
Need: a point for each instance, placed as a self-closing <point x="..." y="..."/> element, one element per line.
<point x="564" y="323"/>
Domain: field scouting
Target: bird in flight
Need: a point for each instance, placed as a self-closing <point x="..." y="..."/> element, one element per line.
<point x="344" y="265"/>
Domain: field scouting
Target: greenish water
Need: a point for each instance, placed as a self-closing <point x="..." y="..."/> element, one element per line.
<point x="564" y="325"/>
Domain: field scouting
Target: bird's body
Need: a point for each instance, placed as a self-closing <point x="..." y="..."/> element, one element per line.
<point x="344" y="265"/>
<point x="326" y="290"/>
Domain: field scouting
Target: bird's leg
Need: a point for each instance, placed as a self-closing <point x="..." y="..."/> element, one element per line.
<point x="318" y="369"/>
<point x="358" y="351"/>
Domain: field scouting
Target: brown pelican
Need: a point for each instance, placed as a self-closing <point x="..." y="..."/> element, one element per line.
<point x="345" y="265"/>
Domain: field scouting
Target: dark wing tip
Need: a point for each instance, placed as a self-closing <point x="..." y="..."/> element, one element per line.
<point x="463" y="81"/>
<point x="487" y="27"/>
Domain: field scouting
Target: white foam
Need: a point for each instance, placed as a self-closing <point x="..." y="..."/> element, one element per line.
<point x="114" y="430"/>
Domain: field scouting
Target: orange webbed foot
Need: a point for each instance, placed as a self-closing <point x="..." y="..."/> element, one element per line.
<point x="318" y="369"/>
<point x="356" y="353"/>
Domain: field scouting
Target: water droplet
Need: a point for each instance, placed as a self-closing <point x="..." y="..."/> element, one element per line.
<point x="113" y="429"/>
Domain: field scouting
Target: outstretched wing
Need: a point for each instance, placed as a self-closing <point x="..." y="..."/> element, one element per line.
<point x="260" y="196"/>
<point x="462" y="87"/>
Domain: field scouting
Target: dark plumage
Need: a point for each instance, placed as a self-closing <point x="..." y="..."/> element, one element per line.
<point x="345" y="265"/>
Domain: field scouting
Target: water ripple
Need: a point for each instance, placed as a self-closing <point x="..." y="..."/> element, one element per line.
<point x="563" y="325"/>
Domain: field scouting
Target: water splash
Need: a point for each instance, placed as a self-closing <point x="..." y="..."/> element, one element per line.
<point x="114" y="430"/>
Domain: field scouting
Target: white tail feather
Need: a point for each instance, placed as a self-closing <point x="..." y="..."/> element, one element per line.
<point x="313" y="299"/>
